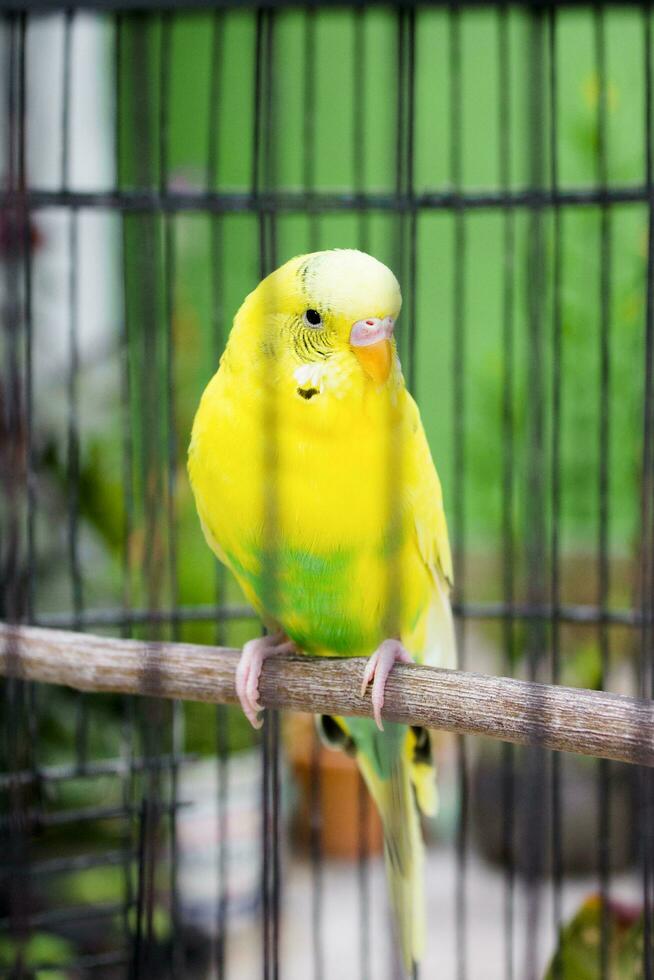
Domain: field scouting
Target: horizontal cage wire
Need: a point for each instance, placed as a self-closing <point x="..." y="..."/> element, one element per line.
<point x="157" y="160"/>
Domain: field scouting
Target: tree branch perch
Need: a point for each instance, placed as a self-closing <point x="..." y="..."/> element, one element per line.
<point x="593" y="723"/>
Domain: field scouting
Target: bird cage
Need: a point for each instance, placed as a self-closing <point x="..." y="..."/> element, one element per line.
<point x="157" y="159"/>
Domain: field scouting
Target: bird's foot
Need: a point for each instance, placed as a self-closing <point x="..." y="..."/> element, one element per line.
<point x="249" y="670"/>
<point x="377" y="670"/>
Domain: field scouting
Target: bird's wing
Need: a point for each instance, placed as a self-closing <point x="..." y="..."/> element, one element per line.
<point x="426" y="503"/>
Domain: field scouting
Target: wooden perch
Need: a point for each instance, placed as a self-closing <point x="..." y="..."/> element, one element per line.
<point x="593" y="723"/>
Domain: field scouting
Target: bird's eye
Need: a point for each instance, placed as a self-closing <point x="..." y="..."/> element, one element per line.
<point x="312" y="318"/>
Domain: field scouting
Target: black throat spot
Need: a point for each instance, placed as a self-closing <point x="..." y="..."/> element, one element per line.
<point x="307" y="392"/>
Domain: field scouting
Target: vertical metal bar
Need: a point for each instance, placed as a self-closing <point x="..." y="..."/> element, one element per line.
<point x="126" y="837"/>
<point x="127" y="726"/>
<point x="144" y="298"/>
<point x="646" y="658"/>
<point x="270" y="178"/>
<point x="217" y="43"/>
<point x="137" y="969"/>
<point x="276" y="839"/>
<point x="459" y="467"/>
<point x="309" y="117"/>
<point x="400" y="154"/>
<point x="73" y="436"/>
<point x="73" y="472"/>
<point x="394" y="590"/>
<point x="363" y="236"/>
<point x="264" y="178"/>
<point x="535" y="523"/>
<point x="142" y="79"/>
<point x="155" y="716"/>
<point x="555" y="482"/>
<point x="508" y="455"/>
<point x="219" y="952"/>
<point x="315" y="785"/>
<point x="165" y="41"/>
<point x="12" y="462"/>
<point x="178" y="965"/>
<point x="65" y="102"/>
<point x="265" y="761"/>
<point x="359" y="121"/>
<point x="265" y="845"/>
<point x="406" y="267"/>
<point x="126" y="392"/>
<point x="410" y="324"/>
<point x="27" y="245"/>
<point x="315" y="848"/>
<point x="73" y="463"/>
<point x="269" y="159"/>
<point x="604" y="402"/>
<point x="263" y="156"/>
<point x="395" y="598"/>
<point x="363" y="877"/>
<point x="222" y="909"/>
<point x="257" y="111"/>
<point x="406" y="234"/>
<point x="26" y="231"/>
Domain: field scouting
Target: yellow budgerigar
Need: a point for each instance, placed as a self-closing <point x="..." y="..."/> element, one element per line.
<point x="315" y="486"/>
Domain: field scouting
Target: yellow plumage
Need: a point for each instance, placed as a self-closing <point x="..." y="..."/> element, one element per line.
<point x="315" y="485"/>
<point x="349" y="471"/>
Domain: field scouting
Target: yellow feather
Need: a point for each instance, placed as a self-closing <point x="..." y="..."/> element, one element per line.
<point x="348" y="471"/>
<point x="418" y="752"/>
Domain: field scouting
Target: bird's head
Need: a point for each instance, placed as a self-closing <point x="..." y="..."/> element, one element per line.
<point x="328" y="313"/>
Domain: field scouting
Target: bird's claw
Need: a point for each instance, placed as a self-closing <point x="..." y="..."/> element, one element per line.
<point x="377" y="670"/>
<point x="248" y="672"/>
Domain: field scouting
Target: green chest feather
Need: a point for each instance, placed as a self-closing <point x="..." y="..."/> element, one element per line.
<point x="311" y="597"/>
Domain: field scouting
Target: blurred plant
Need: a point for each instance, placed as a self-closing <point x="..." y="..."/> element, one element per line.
<point x="582" y="253"/>
<point x="40" y="948"/>
<point x="579" y="953"/>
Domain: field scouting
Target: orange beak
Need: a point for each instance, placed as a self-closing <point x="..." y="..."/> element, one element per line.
<point x="376" y="360"/>
<point x="370" y="341"/>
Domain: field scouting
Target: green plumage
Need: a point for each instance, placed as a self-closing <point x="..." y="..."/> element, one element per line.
<point x="390" y="768"/>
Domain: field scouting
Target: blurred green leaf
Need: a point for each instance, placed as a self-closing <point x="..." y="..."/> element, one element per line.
<point x="40" y="948"/>
<point x="578" y="956"/>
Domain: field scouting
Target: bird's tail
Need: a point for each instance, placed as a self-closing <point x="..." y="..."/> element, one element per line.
<point x="403" y="854"/>
<point x="396" y="765"/>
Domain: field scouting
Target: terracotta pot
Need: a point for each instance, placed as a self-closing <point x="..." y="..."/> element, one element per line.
<point x="348" y="820"/>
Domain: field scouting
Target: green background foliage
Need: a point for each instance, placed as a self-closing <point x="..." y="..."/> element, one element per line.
<point x="186" y="274"/>
<point x="334" y="130"/>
